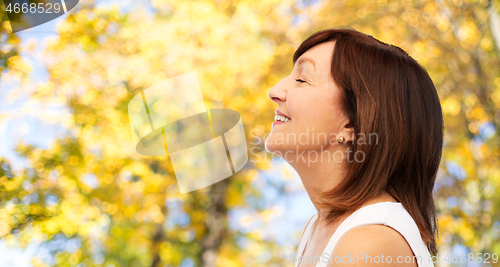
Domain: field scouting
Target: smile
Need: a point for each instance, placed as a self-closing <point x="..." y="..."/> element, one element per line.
<point x="281" y="118"/>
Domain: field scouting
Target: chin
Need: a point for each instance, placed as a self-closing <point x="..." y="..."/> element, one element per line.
<point x="270" y="146"/>
<point x="274" y="146"/>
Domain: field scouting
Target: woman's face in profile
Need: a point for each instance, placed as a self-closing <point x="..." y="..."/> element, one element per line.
<point x="311" y="100"/>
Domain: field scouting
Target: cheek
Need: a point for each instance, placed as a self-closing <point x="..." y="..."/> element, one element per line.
<point x="326" y="121"/>
<point x="314" y="110"/>
<point x="303" y="105"/>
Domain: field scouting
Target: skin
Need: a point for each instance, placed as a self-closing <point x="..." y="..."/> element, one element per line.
<point x="310" y="97"/>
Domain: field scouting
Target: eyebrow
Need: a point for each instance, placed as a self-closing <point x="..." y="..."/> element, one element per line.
<point x="306" y="59"/>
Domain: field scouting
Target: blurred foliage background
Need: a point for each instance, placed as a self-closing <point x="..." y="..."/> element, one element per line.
<point x="92" y="200"/>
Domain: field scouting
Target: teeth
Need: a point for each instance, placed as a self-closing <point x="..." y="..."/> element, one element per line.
<point x="281" y="118"/>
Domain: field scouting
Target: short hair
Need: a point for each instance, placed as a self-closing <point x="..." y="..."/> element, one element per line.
<point x="387" y="93"/>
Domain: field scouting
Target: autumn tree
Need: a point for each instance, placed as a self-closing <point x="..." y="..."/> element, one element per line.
<point x="92" y="187"/>
<point x="93" y="190"/>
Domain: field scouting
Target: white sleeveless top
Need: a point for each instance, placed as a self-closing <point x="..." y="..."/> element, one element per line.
<point x="387" y="213"/>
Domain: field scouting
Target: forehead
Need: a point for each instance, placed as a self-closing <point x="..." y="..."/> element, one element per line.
<point x="318" y="56"/>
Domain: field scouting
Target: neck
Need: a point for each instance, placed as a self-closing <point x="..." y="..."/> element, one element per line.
<point x="319" y="175"/>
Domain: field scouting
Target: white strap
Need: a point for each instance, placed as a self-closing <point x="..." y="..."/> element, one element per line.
<point x="305" y="238"/>
<point x="394" y="216"/>
<point x="360" y="217"/>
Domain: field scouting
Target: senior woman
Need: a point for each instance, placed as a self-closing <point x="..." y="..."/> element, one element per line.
<point x="361" y="123"/>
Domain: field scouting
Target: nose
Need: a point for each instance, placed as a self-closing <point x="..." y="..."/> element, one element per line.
<point x="278" y="93"/>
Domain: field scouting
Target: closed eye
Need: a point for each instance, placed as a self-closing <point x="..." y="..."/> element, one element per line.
<point x="300" y="81"/>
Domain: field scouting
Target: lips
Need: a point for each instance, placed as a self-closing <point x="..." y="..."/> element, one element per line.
<point x="282" y="114"/>
<point x="281" y="118"/>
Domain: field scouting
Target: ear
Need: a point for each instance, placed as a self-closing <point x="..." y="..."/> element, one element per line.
<point x="347" y="131"/>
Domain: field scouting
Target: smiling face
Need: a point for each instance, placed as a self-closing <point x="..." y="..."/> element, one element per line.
<point x="311" y="101"/>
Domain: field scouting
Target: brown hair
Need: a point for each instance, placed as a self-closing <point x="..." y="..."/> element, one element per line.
<point x="387" y="93"/>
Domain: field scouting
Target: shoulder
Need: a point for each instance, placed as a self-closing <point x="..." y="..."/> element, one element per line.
<point x="373" y="245"/>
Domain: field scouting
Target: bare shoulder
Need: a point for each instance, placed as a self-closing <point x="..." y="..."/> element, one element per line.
<point x="372" y="245"/>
